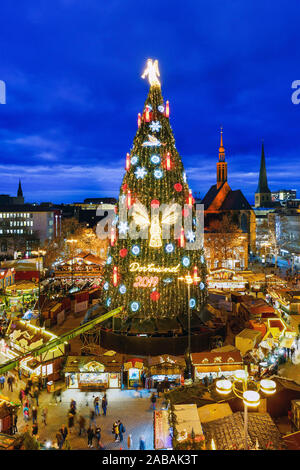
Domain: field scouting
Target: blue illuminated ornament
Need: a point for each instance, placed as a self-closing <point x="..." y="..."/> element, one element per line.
<point x="109" y="260"/>
<point x="155" y="159"/>
<point x="140" y="172"/>
<point x="184" y="176"/>
<point x="115" y="221"/>
<point x="155" y="126"/>
<point x="135" y="250"/>
<point x="161" y="108"/>
<point x="191" y="236"/>
<point x="201" y="285"/>
<point x="169" y="248"/>
<point x="108" y="302"/>
<point x="134" y="306"/>
<point x="122" y="289"/>
<point x="123" y="227"/>
<point x="202" y="259"/>
<point x="192" y="302"/>
<point x="158" y="174"/>
<point x="168" y="280"/>
<point x="106" y="286"/>
<point x="185" y="261"/>
<point x="134" y="160"/>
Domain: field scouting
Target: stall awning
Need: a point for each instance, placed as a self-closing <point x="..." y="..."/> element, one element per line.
<point x="286" y="342"/>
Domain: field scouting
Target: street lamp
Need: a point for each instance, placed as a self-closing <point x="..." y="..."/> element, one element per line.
<point x="72" y="241"/>
<point x="188" y="280"/>
<point x="240" y="386"/>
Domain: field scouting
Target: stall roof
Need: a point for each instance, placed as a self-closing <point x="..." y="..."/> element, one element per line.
<point x="214" y="411"/>
<point x="219" y="357"/>
<point x="76" y="363"/>
<point x="166" y="359"/>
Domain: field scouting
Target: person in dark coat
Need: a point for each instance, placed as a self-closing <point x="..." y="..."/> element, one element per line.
<point x="98" y="436"/>
<point x="35" y="429"/>
<point x="90" y="435"/>
<point x="121" y="430"/>
<point x="104" y="404"/>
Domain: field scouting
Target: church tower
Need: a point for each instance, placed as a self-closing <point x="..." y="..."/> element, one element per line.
<point x="221" y="164"/>
<point x="263" y="194"/>
<point x="20" y="198"/>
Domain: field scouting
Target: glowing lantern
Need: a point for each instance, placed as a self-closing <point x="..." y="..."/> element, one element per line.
<point x="155" y="296"/>
<point x="167" y="111"/>
<point x="251" y="398"/>
<point x="139" y="121"/>
<point x="223" y="387"/>
<point x="268" y="386"/>
<point x="115" y="276"/>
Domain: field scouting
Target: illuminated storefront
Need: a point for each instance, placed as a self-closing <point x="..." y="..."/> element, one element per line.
<point x="216" y="364"/>
<point x="133" y="370"/>
<point x="92" y="373"/>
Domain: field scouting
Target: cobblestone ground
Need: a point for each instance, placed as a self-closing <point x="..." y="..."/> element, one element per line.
<point x="134" y="412"/>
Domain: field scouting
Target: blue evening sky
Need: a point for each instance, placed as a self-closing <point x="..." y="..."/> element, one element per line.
<point x="72" y="70"/>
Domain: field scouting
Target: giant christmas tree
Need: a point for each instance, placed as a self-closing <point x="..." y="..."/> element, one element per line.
<point x="142" y="272"/>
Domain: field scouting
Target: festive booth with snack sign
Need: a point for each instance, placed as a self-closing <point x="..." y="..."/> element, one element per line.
<point x="93" y="373"/>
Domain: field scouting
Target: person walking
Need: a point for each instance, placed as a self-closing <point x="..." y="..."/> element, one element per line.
<point x="121" y="430"/>
<point x="10" y="382"/>
<point x="98" y="436"/>
<point x="92" y="418"/>
<point x="35" y="429"/>
<point x="14" y="422"/>
<point x="44" y="415"/>
<point x="26" y="413"/>
<point x="34" y="415"/>
<point x="142" y="445"/>
<point x="59" y="439"/>
<point x="104" y="404"/>
<point x="115" y="431"/>
<point x="64" y="432"/>
<point x="153" y="400"/>
<point x="81" y="423"/>
<point x="2" y="382"/>
<point x="90" y="435"/>
<point x="36" y="395"/>
<point x="96" y="406"/>
<point x="70" y="420"/>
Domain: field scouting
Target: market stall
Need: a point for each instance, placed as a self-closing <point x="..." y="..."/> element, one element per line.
<point x="93" y="373"/>
<point x="165" y="368"/>
<point x="21" y="296"/>
<point x="7" y="410"/>
<point x="133" y="370"/>
<point x="216" y="364"/>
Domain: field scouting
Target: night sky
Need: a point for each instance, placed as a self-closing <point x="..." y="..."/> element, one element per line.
<point x="72" y="70"/>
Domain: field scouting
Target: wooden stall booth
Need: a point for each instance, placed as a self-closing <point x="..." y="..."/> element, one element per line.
<point x="216" y="364"/>
<point x="165" y="369"/>
<point x="93" y="372"/>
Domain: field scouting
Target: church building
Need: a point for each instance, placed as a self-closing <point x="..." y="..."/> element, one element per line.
<point x="229" y="221"/>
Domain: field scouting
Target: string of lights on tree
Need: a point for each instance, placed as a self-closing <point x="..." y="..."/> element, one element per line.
<point x="142" y="274"/>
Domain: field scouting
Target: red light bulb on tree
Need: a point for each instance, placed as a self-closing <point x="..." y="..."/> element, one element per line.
<point x="190" y="199"/>
<point x="195" y="276"/>
<point x="168" y="161"/>
<point x="128" y="199"/>
<point x="127" y="166"/>
<point x="113" y="236"/>
<point x="147" y="114"/>
<point x="181" y="239"/>
<point x="167" y="111"/>
<point x="115" y="276"/>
